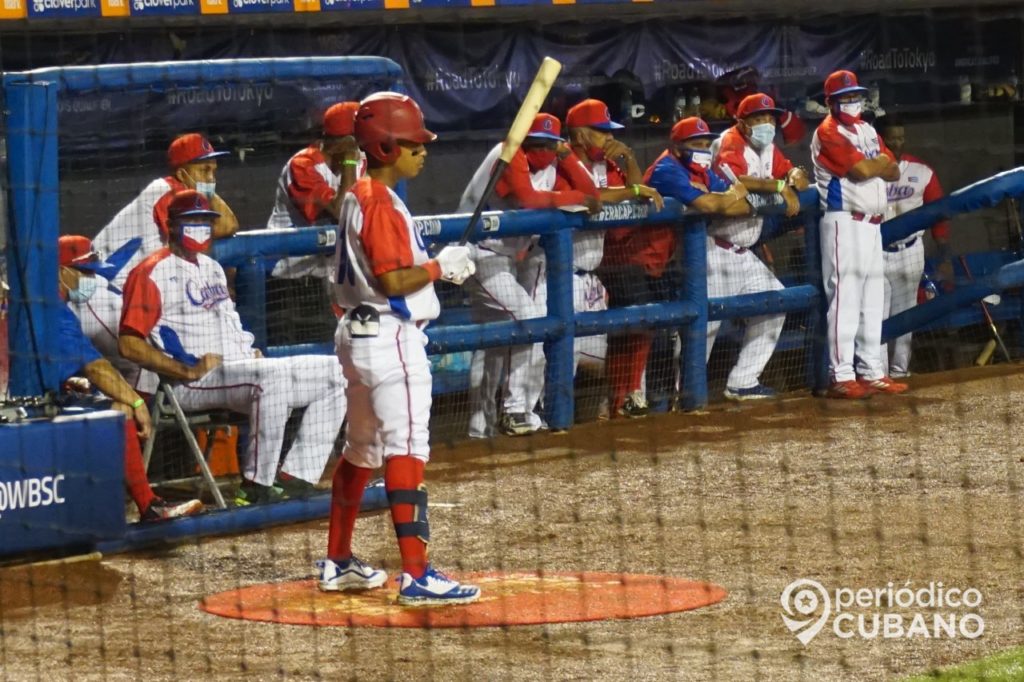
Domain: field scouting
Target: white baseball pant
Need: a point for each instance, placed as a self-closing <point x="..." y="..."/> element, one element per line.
<point x="389" y="386"/>
<point x="268" y="389"/>
<point x="903" y="270"/>
<point x="731" y="273"/>
<point x="506" y="290"/>
<point x="851" y="268"/>
<point x="589" y="295"/>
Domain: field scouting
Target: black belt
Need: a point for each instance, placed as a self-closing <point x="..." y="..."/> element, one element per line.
<point x="899" y="246"/>
<point x="729" y="246"/>
<point x="873" y="219"/>
<point x="582" y="272"/>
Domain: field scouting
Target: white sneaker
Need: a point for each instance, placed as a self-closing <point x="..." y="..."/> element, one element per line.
<point x="349" y="575"/>
<point x="434" y="589"/>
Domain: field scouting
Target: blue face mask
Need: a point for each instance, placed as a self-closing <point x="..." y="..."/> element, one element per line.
<point x="84" y="291"/>
<point x="762" y="135"/>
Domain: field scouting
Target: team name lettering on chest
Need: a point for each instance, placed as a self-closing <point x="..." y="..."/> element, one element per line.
<point x="205" y="295"/>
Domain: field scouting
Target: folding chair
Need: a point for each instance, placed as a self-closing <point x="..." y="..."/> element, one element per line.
<point x="166" y="410"/>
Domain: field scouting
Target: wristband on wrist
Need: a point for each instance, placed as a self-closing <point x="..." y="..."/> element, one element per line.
<point x="350" y="162"/>
<point x="138" y="403"/>
<point x="636" y="190"/>
<point x="433" y="269"/>
<point x="780" y="186"/>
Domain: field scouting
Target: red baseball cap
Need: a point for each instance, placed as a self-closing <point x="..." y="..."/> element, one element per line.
<point x="690" y="128"/>
<point x="547" y="127"/>
<point x="340" y="119"/>
<point x="842" y="82"/>
<point x="758" y="103"/>
<point x="75" y="251"/>
<point x="591" y="113"/>
<point x="189" y="202"/>
<point x="190" y="148"/>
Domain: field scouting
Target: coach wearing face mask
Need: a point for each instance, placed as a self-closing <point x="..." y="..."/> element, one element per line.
<point x="747" y="153"/>
<point x="851" y="168"/>
<point x="683" y="172"/>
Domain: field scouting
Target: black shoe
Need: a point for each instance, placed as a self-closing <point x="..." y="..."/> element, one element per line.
<point x="634" y="407"/>
<point x="517" y="424"/>
<point x="295" y="487"/>
<point x="254" y="493"/>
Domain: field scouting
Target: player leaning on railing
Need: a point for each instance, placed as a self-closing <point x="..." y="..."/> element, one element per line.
<point x="385" y="283"/>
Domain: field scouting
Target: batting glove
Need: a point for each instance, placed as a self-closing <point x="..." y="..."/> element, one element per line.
<point x="455" y="262"/>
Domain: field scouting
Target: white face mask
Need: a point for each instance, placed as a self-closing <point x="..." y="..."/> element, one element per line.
<point x="700" y="157"/>
<point x="762" y="135"/>
<point x="84" y="291"/>
<point x="852" y="109"/>
<point x="208" y="189"/>
<point x="195" y="236"/>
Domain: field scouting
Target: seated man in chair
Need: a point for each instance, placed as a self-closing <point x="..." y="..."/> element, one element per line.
<point x="78" y="266"/>
<point x="179" y="322"/>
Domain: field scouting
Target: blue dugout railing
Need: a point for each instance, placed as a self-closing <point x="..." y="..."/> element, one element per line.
<point x="248" y="252"/>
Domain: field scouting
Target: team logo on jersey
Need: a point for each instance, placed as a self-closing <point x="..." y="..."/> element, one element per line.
<point x="912" y="179"/>
<point x="205" y="296"/>
<point x="899" y="192"/>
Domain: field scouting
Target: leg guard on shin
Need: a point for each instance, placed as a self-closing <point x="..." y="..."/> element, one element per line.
<point x="419" y="527"/>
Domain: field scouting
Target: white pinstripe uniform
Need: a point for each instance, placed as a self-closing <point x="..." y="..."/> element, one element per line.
<point x="388" y="373"/>
<point x="904" y="261"/>
<point x="183" y="309"/>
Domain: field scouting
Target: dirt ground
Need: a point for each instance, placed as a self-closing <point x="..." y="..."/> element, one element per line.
<point x="923" y="487"/>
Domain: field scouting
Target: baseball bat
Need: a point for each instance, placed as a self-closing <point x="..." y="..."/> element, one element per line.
<point x="539" y="89"/>
<point x="988" y="315"/>
<point x="986" y="353"/>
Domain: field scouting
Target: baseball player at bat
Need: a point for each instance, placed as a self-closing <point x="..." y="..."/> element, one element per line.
<point x="510" y="282"/>
<point x="904" y="261"/>
<point x="747" y="152"/>
<point x="851" y="166"/>
<point x="179" y="322"/>
<point x="140" y="228"/>
<point x="618" y="177"/>
<point x="385" y="282"/>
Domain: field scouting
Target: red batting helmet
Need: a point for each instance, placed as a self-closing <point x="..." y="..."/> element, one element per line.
<point x="386" y="118"/>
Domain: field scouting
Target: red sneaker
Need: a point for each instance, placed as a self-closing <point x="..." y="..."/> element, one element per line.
<point x="848" y="390"/>
<point x="883" y="385"/>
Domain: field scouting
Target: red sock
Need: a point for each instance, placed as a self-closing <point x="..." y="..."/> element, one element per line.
<point x="346" y="494"/>
<point x="134" y="470"/>
<point x="627" y="359"/>
<point x="406" y="473"/>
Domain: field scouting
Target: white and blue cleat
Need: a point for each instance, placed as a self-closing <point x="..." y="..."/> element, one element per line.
<point x="434" y="589"/>
<point x="758" y="392"/>
<point x="348" y="576"/>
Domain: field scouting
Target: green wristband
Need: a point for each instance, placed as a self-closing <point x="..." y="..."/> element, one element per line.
<point x="350" y="162"/>
<point x="636" y="190"/>
<point x="138" y="403"/>
<point x="780" y="186"/>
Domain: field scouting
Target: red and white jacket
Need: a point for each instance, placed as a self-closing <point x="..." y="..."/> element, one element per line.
<point x="378" y="235"/>
<point x="835" y="149"/>
<point x="734" y="152"/>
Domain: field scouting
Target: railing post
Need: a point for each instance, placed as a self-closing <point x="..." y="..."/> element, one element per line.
<point x="693" y="359"/>
<point x="251" y="299"/>
<point x="817" y="349"/>
<point x="559" y="397"/>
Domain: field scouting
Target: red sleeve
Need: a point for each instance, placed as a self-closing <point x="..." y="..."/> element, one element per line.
<point x="793" y="128"/>
<point x="385" y="234"/>
<point x="308" y="189"/>
<point x="933" y="192"/>
<point x="141" y="302"/>
<point x="837" y="154"/>
<point x="730" y="154"/>
<point x="160" y="207"/>
<point x="780" y="164"/>
<point x="515" y="183"/>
